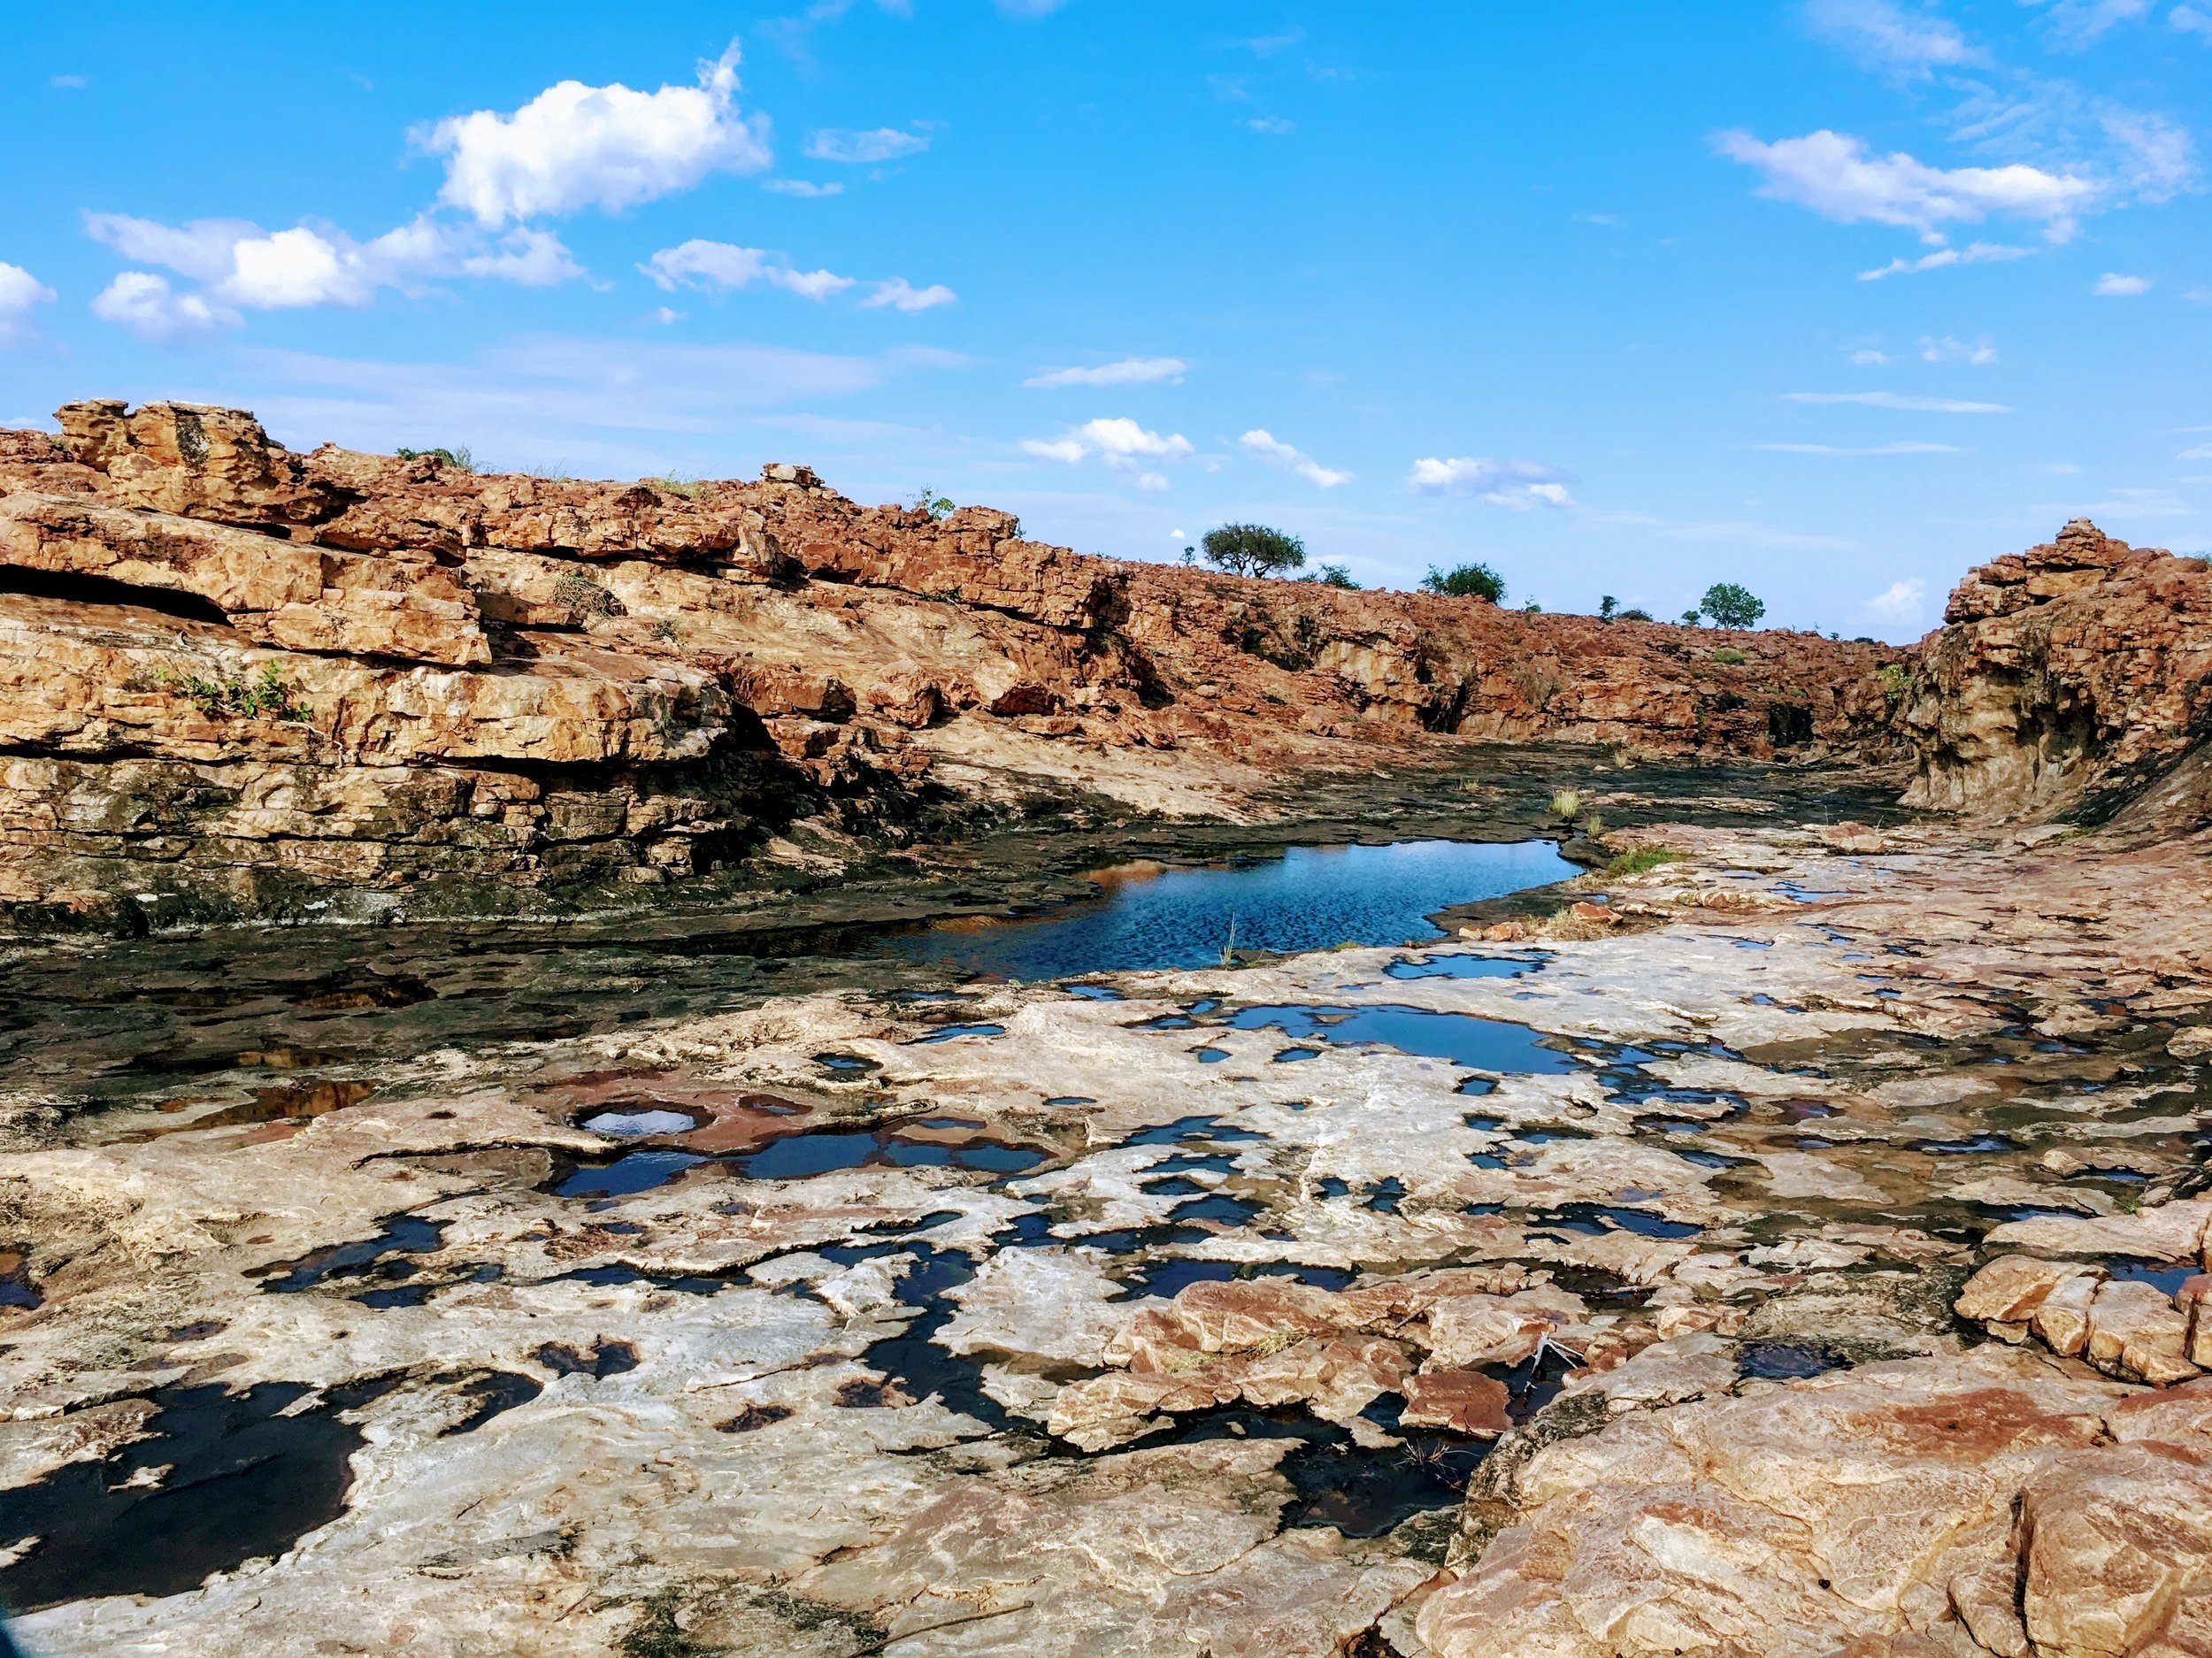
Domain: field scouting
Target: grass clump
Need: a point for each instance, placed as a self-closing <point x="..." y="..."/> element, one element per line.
<point x="1566" y="804"/>
<point x="580" y="593"/>
<point x="1641" y="859"/>
<point x="1729" y="656"/>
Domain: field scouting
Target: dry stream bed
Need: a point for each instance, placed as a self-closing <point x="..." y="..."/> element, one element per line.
<point x="1599" y="1287"/>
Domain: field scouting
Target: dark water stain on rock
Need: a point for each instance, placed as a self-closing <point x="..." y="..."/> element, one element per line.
<point x="243" y="1480"/>
<point x="606" y="1358"/>
<point x="494" y="1393"/>
<point x="754" y="1417"/>
<point x="1336" y="1483"/>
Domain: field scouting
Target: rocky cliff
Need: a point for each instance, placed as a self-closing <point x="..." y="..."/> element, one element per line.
<point x="2075" y="678"/>
<point x="238" y="681"/>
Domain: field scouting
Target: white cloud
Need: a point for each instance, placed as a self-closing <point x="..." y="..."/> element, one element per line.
<point x="1265" y="446"/>
<point x="1834" y="175"/>
<point x="884" y="144"/>
<point x="2156" y="158"/>
<point x="72" y="83"/>
<point x="1152" y="482"/>
<point x="1946" y="349"/>
<point x="1029" y="8"/>
<point x="2201" y="452"/>
<point x="2189" y="20"/>
<point x="1871" y="448"/>
<point x="903" y="295"/>
<point x="1119" y="441"/>
<point x="802" y="187"/>
<point x="242" y="264"/>
<point x="1974" y="253"/>
<point x="2112" y="285"/>
<point x="1867" y="357"/>
<point x="1893" y="400"/>
<point x="663" y="315"/>
<point x="719" y="264"/>
<point x="1517" y="486"/>
<point x="143" y="302"/>
<point x="1880" y="33"/>
<point x="20" y="291"/>
<point x="1274" y="126"/>
<point x="1131" y="371"/>
<point x="575" y="146"/>
<point x="1901" y="601"/>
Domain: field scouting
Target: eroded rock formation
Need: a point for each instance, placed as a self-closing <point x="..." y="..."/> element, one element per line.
<point x="236" y="681"/>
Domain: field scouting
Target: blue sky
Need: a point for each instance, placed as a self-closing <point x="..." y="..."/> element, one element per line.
<point x="1835" y="299"/>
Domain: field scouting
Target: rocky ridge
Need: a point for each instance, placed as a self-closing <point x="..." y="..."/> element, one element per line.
<point x="240" y="682"/>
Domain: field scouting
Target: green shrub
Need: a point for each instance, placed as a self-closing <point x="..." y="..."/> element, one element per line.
<point x="1728" y="656"/>
<point x="459" y="460"/>
<point x="1252" y="549"/>
<point x="1332" y="576"/>
<point x="1466" y="581"/>
<point x="264" y="697"/>
<point x="1896" y="679"/>
<point x="664" y="629"/>
<point x="1641" y="859"/>
<point x="929" y="501"/>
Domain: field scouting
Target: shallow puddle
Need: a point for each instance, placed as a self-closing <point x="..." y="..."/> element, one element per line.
<point x="1461" y="1039"/>
<point x="1311" y="898"/>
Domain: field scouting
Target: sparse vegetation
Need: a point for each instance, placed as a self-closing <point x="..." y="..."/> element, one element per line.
<point x="264" y="697"/>
<point x="459" y="460"/>
<point x="1252" y="549"/>
<point x="927" y="499"/>
<point x="1593" y="826"/>
<point x="1566" y="804"/>
<point x="1690" y="618"/>
<point x="1466" y="581"/>
<point x="1896" y="679"/>
<point x="1607" y="606"/>
<point x="1633" y="614"/>
<point x="580" y="593"/>
<point x="1641" y="859"/>
<point x="1730" y="605"/>
<point x="677" y="484"/>
<point x="1729" y="656"/>
<point x="1332" y="576"/>
<point x="1530" y="607"/>
<point x="665" y="630"/>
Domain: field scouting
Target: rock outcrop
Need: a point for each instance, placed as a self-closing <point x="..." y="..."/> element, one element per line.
<point x="2076" y="677"/>
<point x="237" y="681"/>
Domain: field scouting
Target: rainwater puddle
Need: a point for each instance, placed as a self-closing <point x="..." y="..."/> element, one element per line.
<point x="1461" y="967"/>
<point x="1310" y="898"/>
<point x="636" y="1125"/>
<point x="403" y="1235"/>
<point x="1786" y="1362"/>
<point x="1459" y="1038"/>
<point x="242" y="1480"/>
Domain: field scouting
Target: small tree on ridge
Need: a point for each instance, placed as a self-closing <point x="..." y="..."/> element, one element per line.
<point x="1252" y="549"/>
<point x="1466" y="581"/>
<point x="1730" y="605"/>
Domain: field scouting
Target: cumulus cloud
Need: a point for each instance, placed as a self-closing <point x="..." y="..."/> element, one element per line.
<point x="1119" y="441"/>
<point x="1131" y="371"/>
<point x="1896" y="400"/>
<point x="884" y="144"/>
<point x="244" y="266"/>
<point x="901" y="294"/>
<point x="574" y="146"/>
<point x="2112" y="285"/>
<point x="1974" y="253"/>
<point x="1901" y="601"/>
<point x="1517" y="486"/>
<point x="1834" y="175"/>
<point x="719" y="264"/>
<point x="145" y="303"/>
<point x="1880" y="33"/>
<point x="1265" y="446"/>
<point x="20" y="291"/>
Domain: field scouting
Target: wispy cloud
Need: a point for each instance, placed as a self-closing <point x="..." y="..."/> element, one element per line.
<point x="1871" y="448"/>
<point x="901" y="294"/>
<point x="1879" y="33"/>
<point x="1898" y="399"/>
<point x="2112" y="285"/>
<point x="1980" y="354"/>
<point x="802" y="187"/>
<point x="1973" y="253"/>
<point x="722" y="265"/>
<point x="1899" y="602"/>
<point x="1130" y="371"/>
<point x="1265" y="446"/>
<point x="1518" y="486"/>
<point x="2077" y="25"/>
<point x="884" y="144"/>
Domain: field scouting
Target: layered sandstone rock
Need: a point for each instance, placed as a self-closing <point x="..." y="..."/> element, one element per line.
<point x="240" y="681"/>
<point x="2070" y="676"/>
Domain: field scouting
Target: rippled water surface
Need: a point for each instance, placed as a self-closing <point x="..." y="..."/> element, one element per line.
<point x="1309" y="899"/>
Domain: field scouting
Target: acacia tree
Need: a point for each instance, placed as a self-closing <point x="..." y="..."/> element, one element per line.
<point x="1466" y="581"/>
<point x="1730" y="605"/>
<point x="1252" y="549"/>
